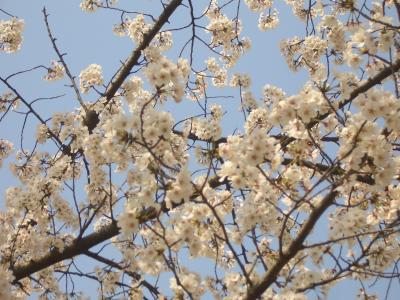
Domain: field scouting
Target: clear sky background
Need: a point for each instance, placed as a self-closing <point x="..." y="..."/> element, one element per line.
<point x="88" y="38"/>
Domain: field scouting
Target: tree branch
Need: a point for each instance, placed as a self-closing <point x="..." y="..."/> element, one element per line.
<point x="378" y="78"/>
<point x="132" y="60"/>
<point x="296" y="245"/>
<point x="82" y="245"/>
<point x="77" y="247"/>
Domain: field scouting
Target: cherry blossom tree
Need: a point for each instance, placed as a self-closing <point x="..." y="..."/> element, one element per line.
<point x="303" y="195"/>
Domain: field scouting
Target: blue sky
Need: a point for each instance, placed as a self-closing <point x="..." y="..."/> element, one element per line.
<point x="87" y="38"/>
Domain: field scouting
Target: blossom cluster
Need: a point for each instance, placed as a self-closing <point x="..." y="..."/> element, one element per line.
<point x="335" y="31"/>
<point x="243" y="154"/>
<point x="180" y="189"/>
<point x="267" y="22"/>
<point x="8" y="100"/>
<point x="93" y="5"/>
<point x="225" y="34"/>
<point x="220" y="74"/>
<point x="168" y="78"/>
<point x="128" y="222"/>
<point x="289" y="110"/>
<point x="136" y="28"/>
<point x="5" y="149"/>
<point x="90" y="77"/>
<point x="11" y="35"/>
<point x="303" y="13"/>
<point x="5" y="286"/>
<point x="90" y="5"/>
<point x="55" y="72"/>
<point x="362" y="138"/>
<point x="207" y="129"/>
<point x="306" y="54"/>
<point x="258" y="5"/>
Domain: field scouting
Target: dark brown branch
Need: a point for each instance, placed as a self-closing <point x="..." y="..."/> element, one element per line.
<point x="132" y="60"/>
<point x="296" y="245"/>
<point x="378" y="78"/>
<point x="81" y="245"/>
<point x="77" y="247"/>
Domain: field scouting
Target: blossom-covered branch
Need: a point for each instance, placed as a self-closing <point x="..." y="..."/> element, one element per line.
<point x="178" y="159"/>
